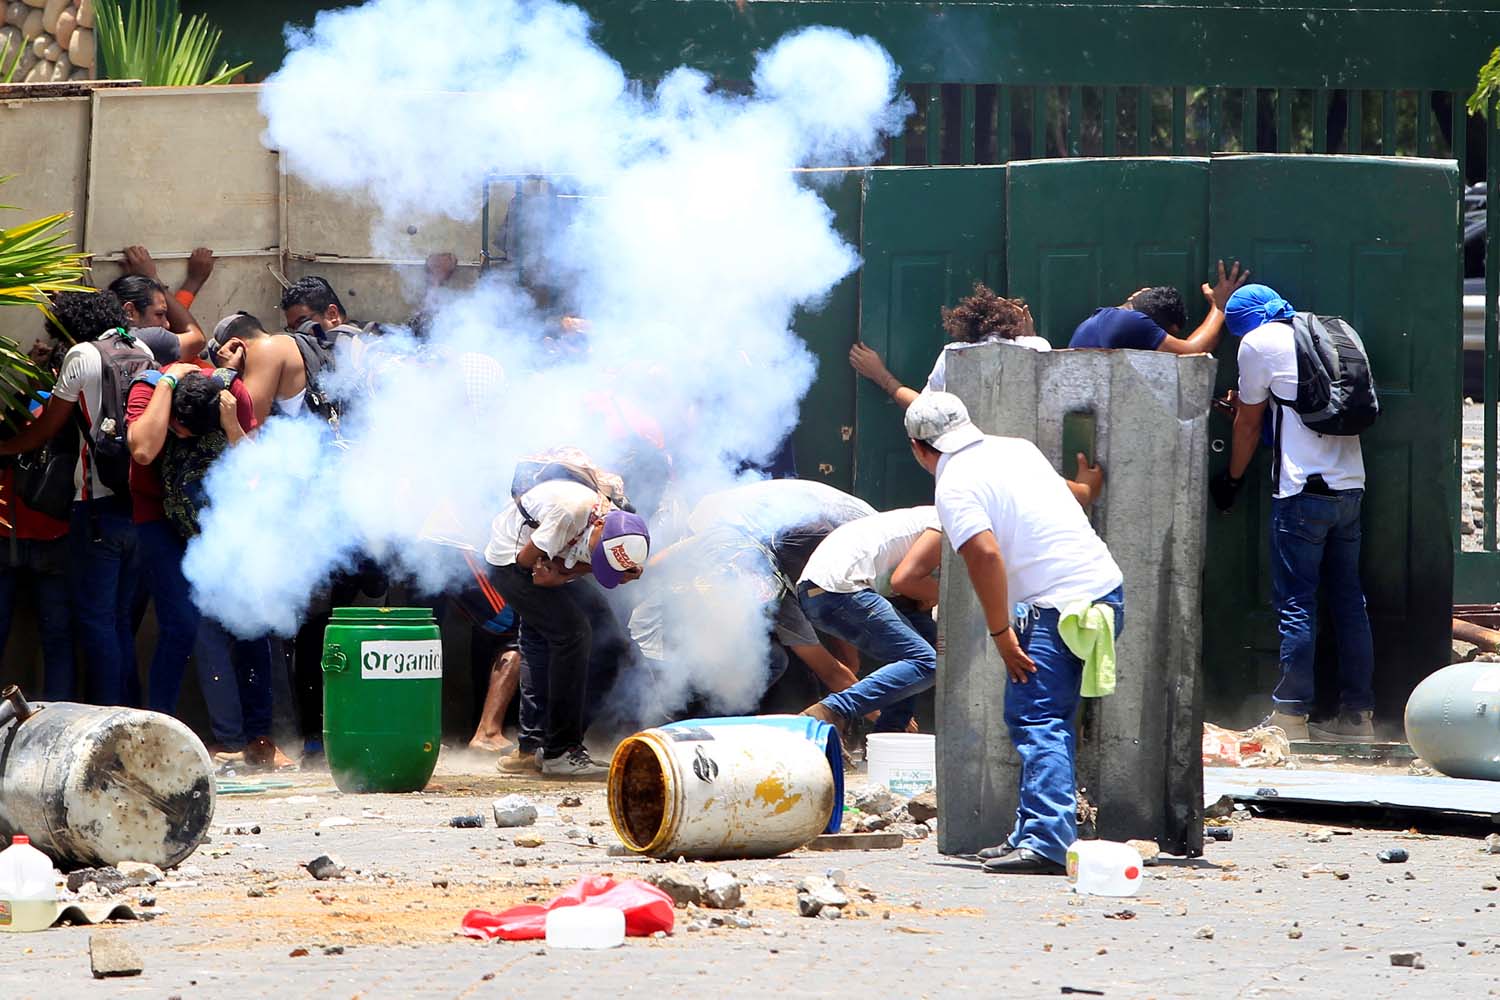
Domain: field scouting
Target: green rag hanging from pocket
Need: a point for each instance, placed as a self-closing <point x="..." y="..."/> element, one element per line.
<point x="1088" y="630"/>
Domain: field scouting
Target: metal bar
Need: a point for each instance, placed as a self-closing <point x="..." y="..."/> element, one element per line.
<point x="1179" y="121"/>
<point x="1424" y="123"/>
<point x="966" y="136"/>
<point x="1356" y="122"/>
<point x="1283" y="120"/>
<point x="1003" y="99"/>
<point x="1247" y="121"/>
<point x="1109" y="120"/>
<point x="1075" y="118"/>
<point x="1491" y="327"/>
<point x="1388" y="123"/>
<point x="1461" y="137"/>
<point x="1320" y="120"/>
<point x="898" y="143"/>
<point x="1215" y="119"/>
<point x="119" y="258"/>
<point x="1038" y="123"/>
<point x="1143" y="121"/>
<point x="934" y="123"/>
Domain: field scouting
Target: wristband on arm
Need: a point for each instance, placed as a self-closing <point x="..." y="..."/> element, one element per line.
<point x="185" y="297"/>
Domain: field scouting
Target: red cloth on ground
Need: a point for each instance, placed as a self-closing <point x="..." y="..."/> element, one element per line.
<point x="647" y="910"/>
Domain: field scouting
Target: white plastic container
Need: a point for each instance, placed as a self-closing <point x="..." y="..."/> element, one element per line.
<point x="906" y="763"/>
<point x="1104" y="868"/>
<point x="585" y="927"/>
<point x="28" y="887"/>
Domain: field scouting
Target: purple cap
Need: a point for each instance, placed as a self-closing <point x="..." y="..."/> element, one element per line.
<point x="623" y="545"/>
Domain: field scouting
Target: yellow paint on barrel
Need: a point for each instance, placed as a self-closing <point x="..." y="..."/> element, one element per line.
<point x="772" y="792"/>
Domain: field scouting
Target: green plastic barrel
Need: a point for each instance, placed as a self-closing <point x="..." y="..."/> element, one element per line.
<point x="382" y="698"/>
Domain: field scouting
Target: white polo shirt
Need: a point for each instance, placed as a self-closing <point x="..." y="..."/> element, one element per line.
<point x="1005" y="485"/>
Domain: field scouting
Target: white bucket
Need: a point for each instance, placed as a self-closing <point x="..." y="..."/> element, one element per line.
<point x="906" y="763"/>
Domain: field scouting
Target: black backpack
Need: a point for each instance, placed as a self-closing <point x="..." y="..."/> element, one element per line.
<point x="317" y="357"/>
<point x="184" y="467"/>
<point x="105" y="447"/>
<point x="1335" y="390"/>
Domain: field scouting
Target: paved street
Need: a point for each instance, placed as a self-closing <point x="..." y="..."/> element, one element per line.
<point x="935" y="927"/>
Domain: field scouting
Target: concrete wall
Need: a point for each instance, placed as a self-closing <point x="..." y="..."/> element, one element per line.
<point x="178" y="168"/>
<point x="1139" y="756"/>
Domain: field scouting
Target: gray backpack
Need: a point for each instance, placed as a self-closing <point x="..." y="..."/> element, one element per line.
<point x="1335" y="389"/>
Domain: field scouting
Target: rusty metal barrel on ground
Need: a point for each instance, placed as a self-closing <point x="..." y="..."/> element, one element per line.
<point x="101" y="786"/>
<point x="732" y="792"/>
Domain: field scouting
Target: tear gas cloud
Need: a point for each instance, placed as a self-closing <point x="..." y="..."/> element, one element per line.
<point x="688" y="244"/>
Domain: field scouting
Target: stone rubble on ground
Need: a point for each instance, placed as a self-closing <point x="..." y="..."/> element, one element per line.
<point x="1408" y="959"/>
<point x="685" y="890"/>
<point x="817" y="893"/>
<point x="514" y="810"/>
<point x="324" y="867"/>
<point x="110" y="956"/>
<point x="721" y="891"/>
<point x="923" y="806"/>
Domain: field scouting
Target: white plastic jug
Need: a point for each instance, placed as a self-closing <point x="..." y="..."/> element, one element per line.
<point x="585" y="927"/>
<point x="1104" y="868"/>
<point x="28" y="887"/>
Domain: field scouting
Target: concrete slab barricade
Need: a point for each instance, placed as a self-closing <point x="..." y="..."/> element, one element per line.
<point x="1139" y="749"/>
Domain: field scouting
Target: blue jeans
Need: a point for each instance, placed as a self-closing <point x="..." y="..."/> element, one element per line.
<point x="1315" y="539"/>
<point x="42" y="566"/>
<point x="903" y="643"/>
<point x="235" y="675"/>
<point x="102" y="575"/>
<point x="1040" y="716"/>
<point x="161" y="550"/>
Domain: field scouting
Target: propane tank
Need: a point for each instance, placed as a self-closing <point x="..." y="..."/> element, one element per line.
<point x="101" y="786"/>
<point x="1453" y="720"/>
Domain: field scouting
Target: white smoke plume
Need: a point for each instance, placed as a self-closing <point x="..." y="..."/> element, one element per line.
<point x="689" y="245"/>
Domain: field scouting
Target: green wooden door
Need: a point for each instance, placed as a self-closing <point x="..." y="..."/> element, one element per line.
<point x="928" y="234"/>
<point x="1086" y="233"/>
<point x="1374" y="241"/>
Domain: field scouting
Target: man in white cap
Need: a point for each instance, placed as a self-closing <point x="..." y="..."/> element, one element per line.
<point x="552" y="534"/>
<point x="1030" y="553"/>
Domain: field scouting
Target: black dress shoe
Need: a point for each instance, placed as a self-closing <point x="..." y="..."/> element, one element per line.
<point x="1024" y="861"/>
<point x="998" y="851"/>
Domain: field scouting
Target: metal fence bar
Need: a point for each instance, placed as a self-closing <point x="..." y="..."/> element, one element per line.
<point x="1247" y="121"/>
<point x="1320" y="120"/>
<point x="1179" y="121"/>
<point x="1356" y="122"/>
<point x="1215" y="119"/>
<point x="966" y="132"/>
<point x="1109" y="120"/>
<point x="1424" y="123"/>
<point x="1283" y="120"/>
<point x="1038" y="122"/>
<point x="1003" y="99"/>
<point x="1143" y="121"/>
<point x="934" y="123"/>
<point x="1491" y="327"/>
<point x="1075" y="118"/>
<point x="1388" y="123"/>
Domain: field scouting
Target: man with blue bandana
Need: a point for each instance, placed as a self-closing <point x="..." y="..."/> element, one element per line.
<point x="1317" y="489"/>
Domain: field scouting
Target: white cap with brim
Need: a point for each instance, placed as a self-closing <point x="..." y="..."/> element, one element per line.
<point x="941" y="420"/>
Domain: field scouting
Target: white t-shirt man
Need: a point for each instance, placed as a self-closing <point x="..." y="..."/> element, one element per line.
<point x="862" y="554"/>
<point x="937" y="381"/>
<point x="1268" y="370"/>
<point x="80" y="381"/>
<point x="1053" y="558"/>
<point x="564" y="511"/>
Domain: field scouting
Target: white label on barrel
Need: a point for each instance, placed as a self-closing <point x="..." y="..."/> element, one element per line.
<point x="388" y="660"/>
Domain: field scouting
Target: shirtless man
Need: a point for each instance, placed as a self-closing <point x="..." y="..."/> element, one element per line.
<point x="271" y="364"/>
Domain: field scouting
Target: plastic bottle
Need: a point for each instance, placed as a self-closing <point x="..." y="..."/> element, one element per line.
<point x="28" y="887"/>
<point x="1104" y="868"/>
<point x="585" y="927"/>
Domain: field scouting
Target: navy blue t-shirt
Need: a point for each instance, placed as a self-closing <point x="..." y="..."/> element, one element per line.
<point x="1114" y="328"/>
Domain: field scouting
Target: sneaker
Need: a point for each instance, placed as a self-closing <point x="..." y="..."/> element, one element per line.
<point x="574" y="763"/>
<point x="1295" y="726"/>
<point x="1346" y="727"/>
<point x="520" y="761"/>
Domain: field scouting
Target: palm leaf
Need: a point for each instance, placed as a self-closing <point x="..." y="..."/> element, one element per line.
<point x="35" y="262"/>
<point x="148" y="40"/>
